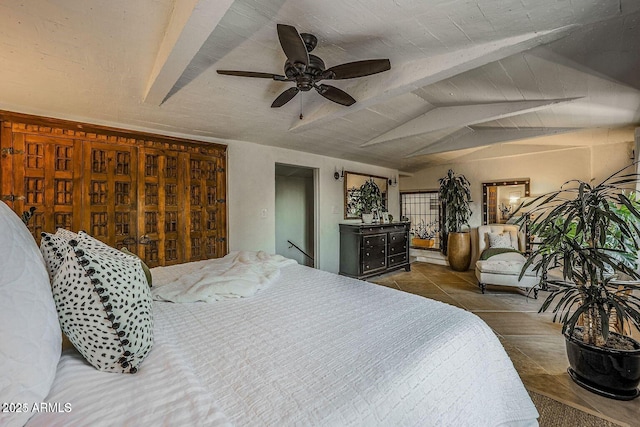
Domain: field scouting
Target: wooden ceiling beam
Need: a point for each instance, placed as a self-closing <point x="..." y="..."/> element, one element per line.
<point x="479" y="137"/>
<point x="403" y="78"/>
<point x="463" y="115"/>
<point x="191" y="23"/>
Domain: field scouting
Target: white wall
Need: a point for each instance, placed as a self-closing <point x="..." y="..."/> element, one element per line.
<point x="547" y="172"/>
<point x="607" y="159"/>
<point x="251" y="188"/>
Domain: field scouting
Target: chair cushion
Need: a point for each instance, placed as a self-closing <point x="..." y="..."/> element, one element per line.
<point x="507" y="267"/>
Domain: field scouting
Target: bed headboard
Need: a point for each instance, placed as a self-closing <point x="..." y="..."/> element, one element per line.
<point x="484" y="230"/>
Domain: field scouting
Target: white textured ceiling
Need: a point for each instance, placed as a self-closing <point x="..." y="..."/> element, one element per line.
<point x="469" y="76"/>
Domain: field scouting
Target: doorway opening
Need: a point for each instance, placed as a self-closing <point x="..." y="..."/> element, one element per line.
<point x="295" y="213"/>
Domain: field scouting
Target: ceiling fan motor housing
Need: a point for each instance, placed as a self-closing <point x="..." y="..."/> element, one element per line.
<point x="304" y="80"/>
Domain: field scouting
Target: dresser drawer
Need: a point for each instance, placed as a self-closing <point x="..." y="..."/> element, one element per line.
<point x="372" y="253"/>
<point x="374" y="240"/>
<point x="397" y="259"/>
<point x="400" y="237"/>
<point x="391" y="228"/>
<point x="374" y="264"/>
<point x="397" y="248"/>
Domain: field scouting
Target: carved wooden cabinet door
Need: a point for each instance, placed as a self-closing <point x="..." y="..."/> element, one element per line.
<point x="162" y="215"/>
<point x="110" y="194"/>
<point x="163" y="199"/>
<point x="207" y="235"/>
<point x="44" y="174"/>
<point x="181" y="207"/>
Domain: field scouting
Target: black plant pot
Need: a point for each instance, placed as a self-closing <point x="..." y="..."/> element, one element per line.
<point x="607" y="372"/>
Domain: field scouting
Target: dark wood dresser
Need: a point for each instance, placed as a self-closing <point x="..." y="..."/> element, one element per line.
<point x="371" y="249"/>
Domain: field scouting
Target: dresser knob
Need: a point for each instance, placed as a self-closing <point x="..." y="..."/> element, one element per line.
<point x="367" y="253"/>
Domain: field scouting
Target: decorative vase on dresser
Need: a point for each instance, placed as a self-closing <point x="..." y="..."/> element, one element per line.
<point x="371" y="249"/>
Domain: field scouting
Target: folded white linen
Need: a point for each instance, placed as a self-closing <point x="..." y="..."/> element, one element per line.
<point x="239" y="274"/>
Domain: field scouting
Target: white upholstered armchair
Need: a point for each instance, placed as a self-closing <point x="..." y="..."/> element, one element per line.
<point x="504" y="268"/>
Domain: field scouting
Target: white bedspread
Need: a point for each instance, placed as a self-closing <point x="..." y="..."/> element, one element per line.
<point x="313" y="349"/>
<point x="164" y="392"/>
<point x="316" y="349"/>
<point x="237" y="275"/>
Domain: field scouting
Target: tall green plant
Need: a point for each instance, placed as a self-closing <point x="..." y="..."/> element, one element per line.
<point x="455" y="194"/>
<point x="589" y="233"/>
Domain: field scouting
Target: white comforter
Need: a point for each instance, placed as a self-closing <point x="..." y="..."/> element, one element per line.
<point x="166" y="391"/>
<point x="313" y="349"/>
<point x="237" y="275"/>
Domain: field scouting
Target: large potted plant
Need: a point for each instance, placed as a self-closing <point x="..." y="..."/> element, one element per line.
<point x="369" y="200"/>
<point x="589" y="241"/>
<point x="455" y="195"/>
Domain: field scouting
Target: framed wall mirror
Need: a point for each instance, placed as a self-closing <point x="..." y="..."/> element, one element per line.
<point x="500" y="199"/>
<point x="352" y="183"/>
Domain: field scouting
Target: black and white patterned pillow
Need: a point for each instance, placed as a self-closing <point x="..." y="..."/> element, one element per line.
<point x="103" y="302"/>
<point x="50" y="246"/>
<point x="66" y="234"/>
<point x="95" y="245"/>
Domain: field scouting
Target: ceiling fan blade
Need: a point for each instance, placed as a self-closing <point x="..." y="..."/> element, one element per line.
<point x="292" y="45"/>
<point x="351" y="70"/>
<point x="336" y="95"/>
<point x="285" y="97"/>
<point x="253" y="74"/>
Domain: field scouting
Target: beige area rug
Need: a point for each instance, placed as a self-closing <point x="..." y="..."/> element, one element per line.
<point x="557" y="414"/>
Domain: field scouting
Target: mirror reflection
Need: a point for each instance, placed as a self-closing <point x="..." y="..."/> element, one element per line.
<point x="352" y="183"/>
<point x="500" y="199"/>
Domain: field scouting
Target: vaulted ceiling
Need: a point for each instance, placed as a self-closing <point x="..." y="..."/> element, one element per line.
<point x="468" y="79"/>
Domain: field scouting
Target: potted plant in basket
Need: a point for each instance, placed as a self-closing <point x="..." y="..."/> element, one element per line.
<point x="369" y="200"/>
<point x="424" y="234"/>
<point x="590" y="236"/>
<point x="455" y="195"/>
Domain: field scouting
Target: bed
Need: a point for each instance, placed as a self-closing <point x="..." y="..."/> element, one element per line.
<point x="308" y="348"/>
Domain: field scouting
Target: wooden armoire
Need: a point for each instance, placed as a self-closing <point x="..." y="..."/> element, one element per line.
<point x="163" y="198"/>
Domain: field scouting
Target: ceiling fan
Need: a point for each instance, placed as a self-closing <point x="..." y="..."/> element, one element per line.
<point x="307" y="70"/>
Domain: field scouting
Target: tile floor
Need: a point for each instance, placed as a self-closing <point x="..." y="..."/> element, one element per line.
<point x="532" y="340"/>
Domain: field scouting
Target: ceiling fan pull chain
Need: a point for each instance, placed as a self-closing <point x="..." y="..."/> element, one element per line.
<point x="301" y="116"/>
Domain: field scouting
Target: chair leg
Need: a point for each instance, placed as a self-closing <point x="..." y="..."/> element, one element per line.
<point x="535" y="293"/>
<point x="482" y="286"/>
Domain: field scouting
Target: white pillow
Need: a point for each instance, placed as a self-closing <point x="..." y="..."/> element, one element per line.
<point x="30" y="337"/>
<point x="500" y="240"/>
<point x="103" y="302"/>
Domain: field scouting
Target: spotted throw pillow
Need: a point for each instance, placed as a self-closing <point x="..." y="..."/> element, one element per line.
<point x="145" y="267"/>
<point x="500" y="240"/>
<point x="103" y="302"/>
